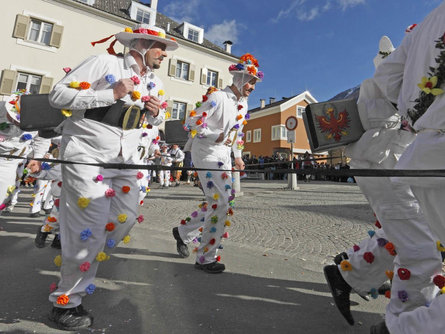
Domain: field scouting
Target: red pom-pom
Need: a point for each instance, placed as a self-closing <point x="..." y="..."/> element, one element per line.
<point x="377" y="223"/>
<point x="212" y="242"/>
<point x="183" y="222"/>
<point x="369" y="257"/>
<point x="214" y="206"/>
<point x="439" y="280"/>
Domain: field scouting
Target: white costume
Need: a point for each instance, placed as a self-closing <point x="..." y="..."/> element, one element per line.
<point x="147" y="146"/>
<point x="164" y="174"/>
<point x="42" y="197"/>
<point x="98" y="206"/>
<point x="14" y="141"/>
<point x="398" y="78"/>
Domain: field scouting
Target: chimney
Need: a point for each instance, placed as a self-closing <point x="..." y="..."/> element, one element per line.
<point x="271" y="100"/>
<point x="228" y="46"/>
<point x="262" y="103"/>
<point x="167" y="29"/>
<point x="154" y="4"/>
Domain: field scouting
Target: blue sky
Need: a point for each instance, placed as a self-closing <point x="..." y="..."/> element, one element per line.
<point x="324" y="46"/>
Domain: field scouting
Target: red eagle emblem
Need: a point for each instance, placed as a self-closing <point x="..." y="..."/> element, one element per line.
<point x="334" y="126"/>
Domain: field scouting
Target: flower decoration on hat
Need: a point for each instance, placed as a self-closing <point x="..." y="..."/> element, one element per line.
<point x="13" y="105"/>
<point x="248" y="65"/>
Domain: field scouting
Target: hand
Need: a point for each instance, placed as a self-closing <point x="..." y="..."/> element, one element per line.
<point x="220" y="138"/>
<point x="228" y="142"/>
<point x="239" y="164"/>
<point x="153" y="105"/>
<point x="34" y="166"/>
<point x="122" y="88"/>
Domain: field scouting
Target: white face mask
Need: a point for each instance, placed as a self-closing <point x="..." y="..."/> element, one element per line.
<point x="240" y="79"/>
<point x="141" y="46"/>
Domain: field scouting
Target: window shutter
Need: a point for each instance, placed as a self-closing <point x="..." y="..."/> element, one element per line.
<point x="7" y="84"/>
<point x="220" y="83"/>
<point x="172" y="67"/>
<point x="56" y="36"/>
<point x="203" y="76"/>
<point x="21" y="26"/>
<point x="189" y="108"/>
<point x="46" y="85"/>
<point x="192" y="72"/>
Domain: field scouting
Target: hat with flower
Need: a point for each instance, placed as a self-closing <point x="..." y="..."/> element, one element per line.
<point x="141" y="31"/>
<point x="247" y="65"/>
<point x="385" y="49"/>
<point x="12" y="106"/>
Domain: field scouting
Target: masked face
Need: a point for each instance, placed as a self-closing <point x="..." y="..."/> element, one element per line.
<point x="249" y="87"/>
<point x="155" y="55"/>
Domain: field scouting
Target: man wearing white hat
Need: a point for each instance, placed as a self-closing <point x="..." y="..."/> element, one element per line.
<point x="405" y="237"/>
<point x="216" y="131"/>
<point x="109" y="98"/>
<point x="14" y="141"/>
<point x="166" y="161"/>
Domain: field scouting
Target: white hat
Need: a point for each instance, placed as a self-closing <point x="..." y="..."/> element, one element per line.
<point x="12" y="106"/>
<point x="385" y="49"/>
<point x="142" y="31"/>
<point x="247" y="65"/>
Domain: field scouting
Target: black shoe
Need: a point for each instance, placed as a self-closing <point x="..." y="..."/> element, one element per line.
<point x="338" y="259"/>
<point x="177" y="184"/>
<point x="340" y="291"/>
<point x="384" y="287"/>
<point x="379" y="328"/>
<point x="40" y="239"/>
<point x="47" y="211"/>
<point x="181" y="247"/>
<point x="71" y="318"/>
<point x="211" y="268"/>
<point x="56" y="242"/>
<point x="34" y="215"/>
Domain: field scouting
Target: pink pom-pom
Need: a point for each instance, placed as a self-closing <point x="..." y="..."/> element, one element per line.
<point x="145" y="98"/>
<point x="110" y="192"/>
<point x="356" y="248"/>
<point x="3" y="206"/>
<point x="139" y="175"/>
<point x="67" y="70"/>
<point x="164" y="105"/>
<point x="225" y="235"/>
<point x="99" y="178"/>
<point x="52" y="287"/>
<point x="140" y="219"/>
<point x="135" y="79"/>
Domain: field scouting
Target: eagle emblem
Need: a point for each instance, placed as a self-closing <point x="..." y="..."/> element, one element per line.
<point x="333" y="124"/>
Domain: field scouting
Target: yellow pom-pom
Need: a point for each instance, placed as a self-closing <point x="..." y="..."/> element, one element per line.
<point x="135" y="95"/>
<point x="193" y="133"/>
<point x="442" y="291"/>
<point x="126" y="239"/>
<point x="83" y="202"/>
<point x="161" y="92"/>
<point x="10" y="189"/>
<point x="74" y="84"/>
<point x="58" y="260"/>
<point x="206" y="249"/>
<point x="215" y="196"/>
<point x="167" y="115"/>
<point x="66" y="113"/>
<point x="227" y="223"/>
<point x="122" y="218"/>
<point x="102" y="256"/>
<point x="128" y="29"/>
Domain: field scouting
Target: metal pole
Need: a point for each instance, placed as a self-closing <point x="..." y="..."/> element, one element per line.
<point x="292" y="177"/>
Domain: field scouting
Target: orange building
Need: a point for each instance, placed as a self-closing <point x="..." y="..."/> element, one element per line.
<point x="265" y="132"/>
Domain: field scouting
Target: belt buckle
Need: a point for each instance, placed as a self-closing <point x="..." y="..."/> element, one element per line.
<point x="131" y="118"/>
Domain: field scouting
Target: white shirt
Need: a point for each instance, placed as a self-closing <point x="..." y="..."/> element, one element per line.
<point x="102" y="142"/>
<point x="222" y="108"/>
<point x="177" y="155"/>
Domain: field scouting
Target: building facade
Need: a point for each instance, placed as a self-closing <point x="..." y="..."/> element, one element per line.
<point x="266" y="133"/>
<point x="42" y="37"/>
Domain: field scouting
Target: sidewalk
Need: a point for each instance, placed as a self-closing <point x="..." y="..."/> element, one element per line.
<point x="279" y="241"/>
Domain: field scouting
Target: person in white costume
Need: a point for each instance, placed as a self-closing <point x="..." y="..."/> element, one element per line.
<point x="108" y="97"/>
<point x="14" y="141"/>
<point x="412" y="77"/>
<point x="178" y="161"/>
<point x="404" y="232"/>
<point x="215" y="131"/>
<point x="166" y="161"/>
<point x="41" y="197"/>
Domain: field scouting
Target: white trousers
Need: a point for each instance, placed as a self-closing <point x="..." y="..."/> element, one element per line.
<point x="16" y="192"/>
<point x="85" y="230"/>
<point x="211" y="215"/>
<point x="8" y="169"/>
<point x="425" y="319"/>
<point x="42" y="197"/>
<point x="164" y="178"/>
<point x="143" y="184"/>
<point x="405" y="226"/>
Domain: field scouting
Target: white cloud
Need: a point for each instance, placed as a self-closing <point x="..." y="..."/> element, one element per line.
<point x="227" y="30"/>
<point x="187" y="11"/>
<point x="302" y="10"/>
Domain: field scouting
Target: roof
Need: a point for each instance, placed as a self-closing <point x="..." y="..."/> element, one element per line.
<point x="121" y="8"/>
<point x="306" y="95"/>
<point x="271" y="105"/>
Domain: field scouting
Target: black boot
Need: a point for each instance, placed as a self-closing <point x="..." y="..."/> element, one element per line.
<point x="340" y="291"/>
<point x="181" y="247"/>
<point x="40" y="239"/>
<point x="212" y="268"/>
<point x="71" y="318"/>
<point x="56" y="242"/>
<point x="379" y="328"/>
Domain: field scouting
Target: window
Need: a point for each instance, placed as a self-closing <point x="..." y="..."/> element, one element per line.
<point x="142" y="16"/>
<point x="40" y="31"/>
<point x="29" y="82"/>
<point x="257" y="135"/>
<point x="248" y="136"/>
<point x="182" y="70"/>
<point x="300" y="111"/>
<point x="212" y="78"/>
<point x="279" y="132"/>
<point x="193" y="35"/>
<point x="178" y="110"/>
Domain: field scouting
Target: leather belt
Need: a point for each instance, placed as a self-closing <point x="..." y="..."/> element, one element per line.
<point x="118" y="115"/>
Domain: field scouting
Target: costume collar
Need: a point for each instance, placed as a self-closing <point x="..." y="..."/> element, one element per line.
<point x="130" y="62"/>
